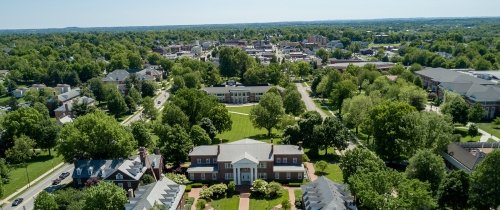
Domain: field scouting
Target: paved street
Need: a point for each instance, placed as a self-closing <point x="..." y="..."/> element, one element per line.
<point x="45" y="184"/>
<point x="310" y="106"/>
<point x="162" y="98"/>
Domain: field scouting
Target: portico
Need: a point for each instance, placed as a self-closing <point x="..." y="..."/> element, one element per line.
<point x="244" y="169"/>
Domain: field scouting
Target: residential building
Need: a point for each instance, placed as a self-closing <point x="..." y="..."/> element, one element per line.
<point x="62" y="88"/>
<point x="164" y="192"/>
<point x="38" y="86"/>
<point x="68" y="96"/>
<point x="237" y="94"/>
<point x="317" y="39"/>
<point x="324" y="194"/>
<point x="19" y="92"/>
<point x="117" y="77"/>
<point x="467" y="156"/>
<point x="152" y="73"/>
<point x="378" y="65"/>
<point x="334" y="44"/>
<point x="67" y="108"/>
<point x="246" y="160"/>
<point x="473" y="89"/>
<point x="125" y="173"/>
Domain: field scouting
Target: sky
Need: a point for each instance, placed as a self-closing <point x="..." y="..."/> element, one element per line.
<point x="27" y="14"/>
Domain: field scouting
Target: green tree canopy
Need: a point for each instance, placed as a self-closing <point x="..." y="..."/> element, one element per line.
<point x="174" y="141"/>
<point x="292" y="102"/>
<point x="268" y="113"/>
<point x="359" y="160"/>
<point x="427" y="167"/>
<point x="454" y="190"/>
<point x="45" y="201"/>
<point x="484" y="190"/>
<point x="105" y="196"/>
<point x="141" y="134"/>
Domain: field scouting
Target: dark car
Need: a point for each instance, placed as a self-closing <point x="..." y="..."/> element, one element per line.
<point x="56" y="181"/>
<point x="17" y="201"/>
<point x="64" y="175"/>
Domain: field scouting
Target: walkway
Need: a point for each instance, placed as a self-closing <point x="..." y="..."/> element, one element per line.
<point x="244" y="197"/>
<point x="311" y="171"/>
<point x="238" y="113"/>
<point x="195" y="193"/>
<point x="310" y="106"/>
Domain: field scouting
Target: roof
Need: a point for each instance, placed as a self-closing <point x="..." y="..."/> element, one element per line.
<point x="379" y="65"/>
<point x="202" y="169"/>
<point x="287" y="150"/>
<point x="448" y="75"/>
<point x="462" y="158"/>
<point x="245" y="158"/>
<point x="164" y="192"/>
<point x="65" y="119"/>
<point x="228" y="89"/>
<point x="289" y="168"/>
<point x="102" y="169"/>
<point x="483" y="93"/>
<point x="118" y="75"/>
<point x="325" y="194"/>
<point x="83" y="99"/>
<point x="69" y="95"/>
<point x="207" y="150"/>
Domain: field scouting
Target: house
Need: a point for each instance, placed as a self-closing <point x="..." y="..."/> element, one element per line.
<point x="125" y="173"/>
<point x="117" y="77"/>
<point x="38" y="86"/>
<point x="334" y="44"/>
<point x="467" y="156"/>
<point x="19" y="92"/>
<point x="152" y="73"/>
<point x="67" y="108"/>
<point x="67" y="96"/>
<point x="473" y="89"/>
<point x="318" y="40"/>
<point x="237" y="94"/>
<point x="324" y="194"/>
<point x="63" y="88"/>
<point x="246" y="160"/>
<point x="64" y="120"/>
<point x="164" y="192"/>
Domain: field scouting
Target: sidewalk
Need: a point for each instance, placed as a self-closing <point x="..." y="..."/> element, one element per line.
<point x="6" y="199"/>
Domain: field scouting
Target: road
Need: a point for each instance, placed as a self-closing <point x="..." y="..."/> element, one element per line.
<point x="45" y="184"/>
<point x="308" y="101"/>
<point x="162" y="98"/>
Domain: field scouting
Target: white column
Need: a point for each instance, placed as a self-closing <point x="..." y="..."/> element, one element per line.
<point x="238" y="176"/>
<point x="251" y="175"/>
<point x="234" y="175"/>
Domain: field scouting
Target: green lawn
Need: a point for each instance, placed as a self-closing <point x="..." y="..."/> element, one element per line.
<point x="490" y="128"/>
<point x="325" y="107"/>
<point x="36" y="167"/>
<point x="266" y="204"/>
<point x="470" y="138"/>
<point x="231" y="203"/>
<point x="241" y="109"/>
<point x="332" y="172"/>
<point x="243" y="128"/>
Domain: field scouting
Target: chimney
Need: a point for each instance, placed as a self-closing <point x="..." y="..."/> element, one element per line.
<point x="157" y="151"/>
<point x="142" y="155"/>
<point x="272" y="148"/>
<point x="218" y="149"/>
<point x="130" y="193"/>
<point x="66" y="107"/>
<point x="300" y="145"/>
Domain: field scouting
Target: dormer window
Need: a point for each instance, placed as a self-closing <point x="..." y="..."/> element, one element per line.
<point x="78" y="171"/>
<point x="119" y="176"/>
<point x="90" y="170"/>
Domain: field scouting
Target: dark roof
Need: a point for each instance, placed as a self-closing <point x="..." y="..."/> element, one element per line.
<point x="326" y="194"/>
<point x="454" y="76"/>
<point x="118" y="75"/>
<point x="102" y="169"/>
<point x="462" y="158"/>
<point x="227" y="89"/>
<point x="483" y="93"/>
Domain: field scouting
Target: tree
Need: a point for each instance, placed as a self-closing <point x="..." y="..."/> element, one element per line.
<point x="415" y="96"/>
<point x="80" y="109"/>
<point x="24" y="121"/>
<point x="427" y="167"/>
<point x="234" y="62"/>
<point x="148" y="88"/>
<point x="196" y="104"/>
<point x="150" y="110"/>
<point x="199" y="136"/>
<point x="476" y="113"/>
<point x="209" y="127"/>
<point x="387" y="120"/>
<point x="45" y="201"/>
<point x="267" y="114"/>
<point x="359" y="160"/>
<point x="220" y="118"/>
<point x="332" y="133"/>
<point x="292" y="102"/>
<point x="391" y="190"/>
<point x="456" y="107"/>
<point x="96" y="136"/>
<point x="496" y="122"/>
<point x="292" y="135"/>
<point x="322" y="165"/>
<point x="97" y="88"/>
<point x="134" y="61"/>
<point x="484" y="190"/>
<point x="173" y="115"/>
<point x="141" y="134"/>
<point x="106" y="196"/>
<point x="50" y="133"/>
<point x="22" y="150"/>
<point x="356" y="110"/>
<point x="306" y="124"/>
<point x="192" y="80"/>
<point x="178" y="84"/>
<point x="175" y="142"/>
<point x="454" y="190"/>
<point x="342" y="91"/>
<point x="4" y="172"/>
<point x="285" y="204"/>
<point x="116" y="102"/>
<point x="323" y="54"/>
<point x="134" y="94"/>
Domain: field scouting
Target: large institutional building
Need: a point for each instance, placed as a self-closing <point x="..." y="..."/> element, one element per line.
<point x="237" y="94"/>
<point x="245" y="161"/>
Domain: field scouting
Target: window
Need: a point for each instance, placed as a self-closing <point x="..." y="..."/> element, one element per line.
<point x="288" y="175"/>
<point x="202" y="176"/>
<point x="294" y="160"/>
<point x="262" y="175"/>
<point x="79" y="181"/>
<point x="214" y="176"/>
<point x="262" y="165"/>
<point x="214" y="160"/>
<point x="120" y="184"/>
<point x="78" y="171"/>
<point x="228" y="176"/>
<point x="119" y="176"/>
<point x="278" y="160"/>
<point x="276" y="175"/>
<point x="191" y="176"/>
<point x="207" y="161"/>
<point x="198" y="160"/>
<point x="228" y="165"/>
<point x="285" y="160"/>
<point x="299" y="175"/>
<point x="129" y="184"/>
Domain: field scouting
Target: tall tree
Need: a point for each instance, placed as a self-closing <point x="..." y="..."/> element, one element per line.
<point x="96" y="136"/>
<point x="116" y="102"/>
<point x="359" y="160"/>
<point x="220" y="118"/>
<point x="306" y="124"/>
<point x="209" y="127"/>
<point x="172" y="115"/>
<point x="150" y="110"/>
<point x="292" y="102"/>
<point x="268" y="113"/>
<point x="454" y="190"/>
<point x="484" y="190"/>
<point x="24" y="121"/>
<point x="45" y="201"/>
<point x="97" y="87"/>
<point x="175" y="142"/>
<point x="341" y="91"/>
<point x="105" y="196"/>
<point x="427" y="167"/>
<point x="22" y="150"/>
<point x="456" y="107"/>
<point x="141" y="134"/>
<point x="476" y="113"/>
<point x="332" y="133"/>
<point x="148" y="88"/>
<point x="199" y="136"/>
<point x="356" y="110"/>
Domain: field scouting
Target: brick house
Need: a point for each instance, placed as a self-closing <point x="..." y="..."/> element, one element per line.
<point x="237" y="94"/>
<point x="246" y="160"/>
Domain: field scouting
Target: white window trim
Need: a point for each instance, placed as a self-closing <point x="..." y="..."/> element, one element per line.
<point x="294" y="160"/>
<point x="198" y="160"/>
<point x="202" y="176"/>
<point x="278" y="160"/>
<point x="276" y="175"/>
<point x="288" y="175"/>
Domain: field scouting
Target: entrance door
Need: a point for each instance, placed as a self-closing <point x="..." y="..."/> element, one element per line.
<point x="245" y="177"/>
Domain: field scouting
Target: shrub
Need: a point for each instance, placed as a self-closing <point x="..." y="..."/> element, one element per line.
<point x="231" y="188"/>
<point x="294" y="184"/>
<point x="305" y="158"/>
<point x="147" y="179"/>
<point x="273" y="190"/>
<point x="196" y="185"/>
<point x="200" y="205"/>
<point x="206" y="193"/>
<point x="190" y="200"/>
<point x="298" y="203"/>
<point x="285" y="204"/>
<point x="178" y="178"/>
<point x="218" y="190"/>
<point x="473" y="131"/>
<point x="322" y="165"/>
<point x="188" y="188"/>
<point x="259" y="187"/>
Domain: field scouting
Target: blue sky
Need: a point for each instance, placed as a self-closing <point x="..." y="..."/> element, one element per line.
<point x="16" y="14"/>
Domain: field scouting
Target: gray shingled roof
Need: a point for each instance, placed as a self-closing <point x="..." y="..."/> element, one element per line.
<point x="287" y="150"/>
<point x="227" y="89"/>
<point x="69" y="95"/>
<point x="378" y="64"/>
<point x="483" y="93"/>
<point x="204" y="150"/>
<point x="118" y="75"/>
<point x="461" y="158"/>
<point x="83" y="99"/>
<point x="446" y="75"/>
<point x="326" y="195"/>
<point x="103" y="168"/>
<point x="164" y="192"/>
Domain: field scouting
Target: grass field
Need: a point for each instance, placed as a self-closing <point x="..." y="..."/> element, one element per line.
<point x="36" y="167"/>
<point x="325" y="107"/>
<point x="231" y="203"/>
<point x="490" y="128"/>
<point x="332" y="172"/>
<point x="241" y="109"/>
<point x="266" y="204"/>
<point x="243" y="128"/>
<point x="470" y="138"/>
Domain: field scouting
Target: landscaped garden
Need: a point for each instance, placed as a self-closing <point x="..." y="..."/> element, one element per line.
<point x="266" y="196"/>
<point x="229" y="203"/>
<point x="243" y="128"/>
<point x="490" y="128"/>
<point x="330" y="170"/>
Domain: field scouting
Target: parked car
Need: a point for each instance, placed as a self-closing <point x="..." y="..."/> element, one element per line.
<point x="17" y="201"/>
<point x="64" y="175"/>
<point x="56" y="181"/>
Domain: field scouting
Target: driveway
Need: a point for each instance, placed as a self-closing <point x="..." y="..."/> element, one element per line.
<point x="308" y="101"/>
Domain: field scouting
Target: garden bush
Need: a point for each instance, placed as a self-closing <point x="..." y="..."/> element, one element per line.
<point x="178" y="178"/>
<point x="190" y="200"/>
<point x="200" y="205"/>
<point x="261" y="188"/>
<point x="188" y="188"/>
<point x="273" y="190"/>
<point x="294" y="184"/>
<point x="473" y="131"/>
<point x="206" y="193"/>
<point x="197" y="185"/>
<point x="147" y="179"/>
<point x="231" y="188"/>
